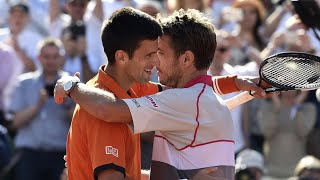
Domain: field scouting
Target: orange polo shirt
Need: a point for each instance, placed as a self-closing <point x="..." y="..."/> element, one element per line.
<point x="94" y="145"/>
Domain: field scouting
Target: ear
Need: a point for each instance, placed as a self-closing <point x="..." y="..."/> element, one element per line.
<point x="121" y="56"/>
<point x="188" y="58"/>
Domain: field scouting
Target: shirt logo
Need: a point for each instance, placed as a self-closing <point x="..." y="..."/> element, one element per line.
<point x="152" y="101"/>
<point x="111" y="150"/>
<point x="136" y="103"/>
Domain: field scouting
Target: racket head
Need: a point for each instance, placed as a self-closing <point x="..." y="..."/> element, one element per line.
<point x="291" y="71"/>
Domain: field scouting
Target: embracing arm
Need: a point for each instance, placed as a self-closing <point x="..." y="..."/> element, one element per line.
<point x="99" y="103"/>
<point x="102" y="104"/>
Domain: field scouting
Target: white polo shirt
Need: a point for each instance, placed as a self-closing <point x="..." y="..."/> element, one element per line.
<point x="194" y="130"/>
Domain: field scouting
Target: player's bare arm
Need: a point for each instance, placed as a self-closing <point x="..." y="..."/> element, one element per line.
<point x="105" y="106"/>
<point x="101" y="104"/>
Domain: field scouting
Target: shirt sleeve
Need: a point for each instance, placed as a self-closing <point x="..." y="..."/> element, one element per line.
<point x="17" y="101"/>
<point x="6" y="68"/>
<point x="106" y="144"/>
<point x="165" y="111"/>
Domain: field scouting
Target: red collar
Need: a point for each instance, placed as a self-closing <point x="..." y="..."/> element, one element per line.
<point x="206" y="79"/>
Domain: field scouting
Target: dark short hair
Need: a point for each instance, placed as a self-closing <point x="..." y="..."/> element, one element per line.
<point x="125" y="30"/>
<point x="21" y="7"/>
<point x="50" y="42"/>
<point x="191" y="30"/>
<point x="74" y="30"/>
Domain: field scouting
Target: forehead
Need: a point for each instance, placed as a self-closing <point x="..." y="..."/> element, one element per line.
<point x="18" y="12"/>
<point x="147" y="46"/>
<point x="164" y="42"/>
<point x="49" y="49"/>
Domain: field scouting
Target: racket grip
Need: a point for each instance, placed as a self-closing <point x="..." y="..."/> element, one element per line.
<point x="238" y="100"/>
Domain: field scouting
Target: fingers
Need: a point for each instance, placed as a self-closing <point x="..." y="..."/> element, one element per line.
<point x="259" y="92"/>
<point x="58" y="100"/>
<point x="65" y="159"/>
<point x="77" y="74"/>
<point x="57" y="95"/>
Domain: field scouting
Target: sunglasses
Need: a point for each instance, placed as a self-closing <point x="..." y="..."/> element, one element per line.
<point x="223" y="49"/>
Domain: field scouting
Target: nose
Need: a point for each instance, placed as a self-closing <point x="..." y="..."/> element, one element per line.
<point x="155" y="61"/>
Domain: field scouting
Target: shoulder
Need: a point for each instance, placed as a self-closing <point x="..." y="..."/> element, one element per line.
<point x="186" y="94"/>
<point x="27" y="77"/>
<point x="82" y="118"/>
<point x="31" y="35"/>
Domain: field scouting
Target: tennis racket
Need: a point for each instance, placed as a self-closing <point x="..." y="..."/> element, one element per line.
<point x="283" y="72"/>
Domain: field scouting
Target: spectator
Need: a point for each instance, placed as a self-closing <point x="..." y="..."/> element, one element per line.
<point x="78" y="12"/>
<point x="76" y="59"/>
<point x="41" y="124"/>
<point x="249" y="165"/>
<point x="313" y="145"/>
<point x="200" y="5"/>
<point x="294" y="38"/>
<point x="9" y="69"/>
<point x="246" y="33"/>
<point x="220" y="67"/>
<point x="22" y="39"/>
<point x="151" y="7"/>
<point x="285" y="122"/>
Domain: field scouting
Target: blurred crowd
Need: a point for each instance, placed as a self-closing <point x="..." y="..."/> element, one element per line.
<point x="40" y="41"/>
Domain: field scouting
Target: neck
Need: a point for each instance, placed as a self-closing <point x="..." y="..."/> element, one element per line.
<point x="119" y="77"/>
<point x="50" y="77"/>
<point x="189" y="75"/>
<point x="14" y="32"/>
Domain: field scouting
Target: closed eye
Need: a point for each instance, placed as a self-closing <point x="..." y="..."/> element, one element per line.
<point x="160" y="52"/>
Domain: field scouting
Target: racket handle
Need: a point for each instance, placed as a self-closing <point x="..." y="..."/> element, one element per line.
<point x="238" y="100"/>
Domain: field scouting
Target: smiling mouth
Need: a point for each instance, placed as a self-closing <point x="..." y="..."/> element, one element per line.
<point x="148" y="71"/>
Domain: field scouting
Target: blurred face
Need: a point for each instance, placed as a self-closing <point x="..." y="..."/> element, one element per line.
<point x="17" y="21"/>
<point x="169" y="71"/>
<point x="70" y="46"/>
<point x="149" y="10"/>
<point x="193" y="4"/>
<point x="139" y="67"/>
<point x="222" y="54"/>
<point x="77" y="9"/>
<point x="51" y="59"/>
<point x="250" y="16"/>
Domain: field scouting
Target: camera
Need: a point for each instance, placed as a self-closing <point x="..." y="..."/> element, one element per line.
<point x="50" y="89"/>
<point x="75" y="30"/>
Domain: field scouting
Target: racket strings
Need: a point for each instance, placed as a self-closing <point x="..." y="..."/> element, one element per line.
<point x="290" y="72"/>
